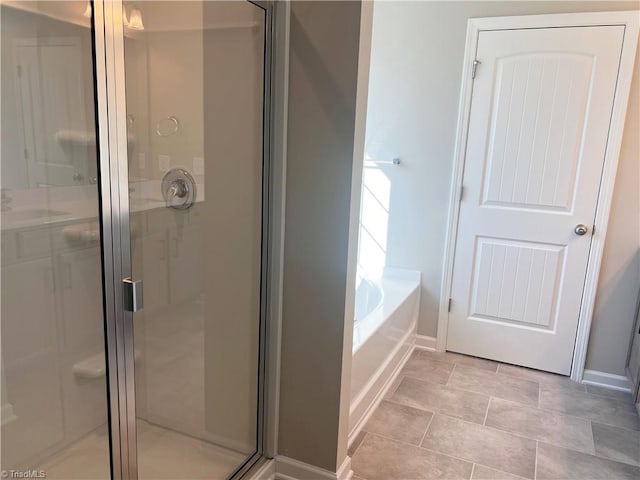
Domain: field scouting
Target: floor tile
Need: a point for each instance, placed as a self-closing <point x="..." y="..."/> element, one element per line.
<point x="540" y="377"/>
<point x="356" y="443"/>
<point x="399" y="422"/>
<point x="480" y="472"/>
<point x="379" y="458"/>
<point x="581" y="404"/>
<point x="424" y="367"/>
<point x="617" y="443"/>
<point x="483" y="445"/>
<point x="459" y="359"/>
<point x="439" y="398"/>
<point x="608" y="392"/>
<point x="494" y="384"/>
<point x="554" y="428"/>
<point x="528" y="414"/>
<point x="555" y="463"/>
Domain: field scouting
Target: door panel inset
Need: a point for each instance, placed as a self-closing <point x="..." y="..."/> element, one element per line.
<point x="516" y="282"/>
<point x="536" y="132"/>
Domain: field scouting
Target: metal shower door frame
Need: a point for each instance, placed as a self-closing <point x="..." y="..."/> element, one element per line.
<point x="116" y="239"/>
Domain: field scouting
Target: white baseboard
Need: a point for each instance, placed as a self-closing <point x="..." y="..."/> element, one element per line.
<point x="607" y="380"/>
<point x="290" y="469"/>
<point x="345" y="472"/>
<point x="425" y="343"/>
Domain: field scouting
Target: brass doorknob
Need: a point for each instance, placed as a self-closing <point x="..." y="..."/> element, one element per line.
<point x="581" y="229"/>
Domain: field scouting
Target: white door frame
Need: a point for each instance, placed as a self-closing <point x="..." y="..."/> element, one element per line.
<point x="629" y="19"/>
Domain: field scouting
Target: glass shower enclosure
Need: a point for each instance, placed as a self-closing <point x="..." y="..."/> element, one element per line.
<point x="135" y="181"/>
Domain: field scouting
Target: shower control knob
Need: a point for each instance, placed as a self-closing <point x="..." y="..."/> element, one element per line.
<point x="581" y="229"/>
<point x="178" y="189"/>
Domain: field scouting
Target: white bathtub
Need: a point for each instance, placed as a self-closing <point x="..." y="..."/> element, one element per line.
<point x="386" y="315"/>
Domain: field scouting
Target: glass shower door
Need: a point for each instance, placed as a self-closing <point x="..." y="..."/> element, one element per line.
<point x="194" y="88"/>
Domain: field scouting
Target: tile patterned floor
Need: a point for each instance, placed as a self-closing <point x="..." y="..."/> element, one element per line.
<point x="451" y="416"/>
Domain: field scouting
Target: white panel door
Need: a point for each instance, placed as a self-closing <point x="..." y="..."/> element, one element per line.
<point x="538" y="126"/>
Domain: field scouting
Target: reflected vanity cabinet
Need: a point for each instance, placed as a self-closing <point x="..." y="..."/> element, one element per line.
<point x="51" y="328"/>
<point x="52" y="320"/>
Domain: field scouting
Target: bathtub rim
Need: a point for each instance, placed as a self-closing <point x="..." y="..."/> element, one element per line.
<point x="378" y="284"/>
<point x="410" y="279"/>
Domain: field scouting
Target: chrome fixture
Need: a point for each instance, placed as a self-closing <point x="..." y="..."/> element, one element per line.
<point x="88" y="10"/>
<point x="135" y="19"/>
<point x="370" y="162"/>
<point x="133" y="299"/>
<point x="179" y="189"/>
<point x="581" y="229"/>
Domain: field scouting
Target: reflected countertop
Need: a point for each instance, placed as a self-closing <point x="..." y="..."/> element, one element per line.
<point x="27" y="208"/>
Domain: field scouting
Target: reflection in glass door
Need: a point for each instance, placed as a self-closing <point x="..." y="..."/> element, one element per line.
<point x="54" y="378"/>
<point x="194" y="89"/>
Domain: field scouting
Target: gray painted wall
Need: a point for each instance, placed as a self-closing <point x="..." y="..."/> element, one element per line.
<point x="416" y="68"/>
<point x="324" y="42"/>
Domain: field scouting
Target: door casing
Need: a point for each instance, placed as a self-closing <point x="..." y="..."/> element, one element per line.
<point x="116" y="241"/>
<point x="629" y="19"/>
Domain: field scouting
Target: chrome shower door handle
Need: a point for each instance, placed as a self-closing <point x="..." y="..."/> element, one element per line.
<point x="133" y="298"/>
